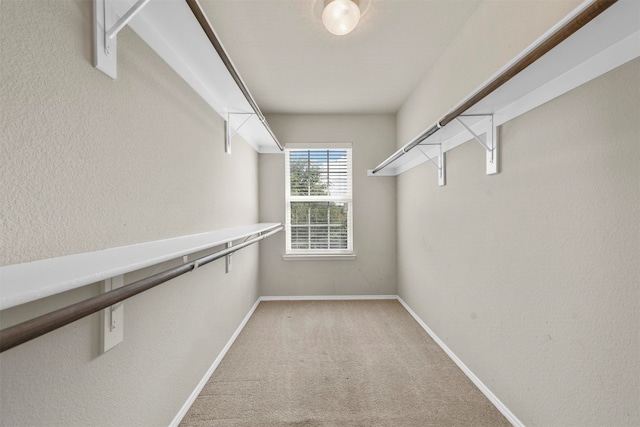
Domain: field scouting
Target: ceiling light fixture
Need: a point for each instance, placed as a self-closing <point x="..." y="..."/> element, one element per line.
<point x="340" y="17"/>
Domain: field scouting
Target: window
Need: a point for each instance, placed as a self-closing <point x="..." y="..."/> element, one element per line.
<point x="319" y="213"/>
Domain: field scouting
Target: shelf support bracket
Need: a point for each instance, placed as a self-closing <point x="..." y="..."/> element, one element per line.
<point x="112" y="318"/>
<point x="228" y="133"/>
<point x="105" y="30"/>
<point x="440" y="164"/>
<point x="490" y="142"/>
<point x="228" y="259"/>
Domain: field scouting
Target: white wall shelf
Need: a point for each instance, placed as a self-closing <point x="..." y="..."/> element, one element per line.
<point x="173" y="32"/>
<point x="608" y="41"/>
<point x="26" y="282"/>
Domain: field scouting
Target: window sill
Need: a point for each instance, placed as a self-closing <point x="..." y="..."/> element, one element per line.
<point x="319" y="257"/>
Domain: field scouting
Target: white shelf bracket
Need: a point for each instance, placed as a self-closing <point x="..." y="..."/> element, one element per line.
<point x="228" y="259"/>
<point x="112" y="318"/>
<point x="105" y="30"/>
<point x="228" y="133"/>
<point x="440" y="164"/>
<point x="490" y="142"/>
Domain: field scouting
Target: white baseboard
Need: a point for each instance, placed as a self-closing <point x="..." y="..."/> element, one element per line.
<point x="327" y="297"/>
<point x="483" y="388"/>
<point x="183" y="411"/>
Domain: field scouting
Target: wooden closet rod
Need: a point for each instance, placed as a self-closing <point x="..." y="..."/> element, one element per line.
<point x="26" y="331"/>
<point x="583" y="18"/>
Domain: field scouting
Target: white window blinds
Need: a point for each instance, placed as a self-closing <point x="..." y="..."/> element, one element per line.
<point x="319" y="201"/>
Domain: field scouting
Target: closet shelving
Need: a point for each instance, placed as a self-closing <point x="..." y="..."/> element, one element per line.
<point x="179" y="32"/>
<point x="31" y="281"/>
<point x="611" y="39"/>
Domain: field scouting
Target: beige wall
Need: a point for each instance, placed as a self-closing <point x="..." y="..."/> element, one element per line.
<point x="531" y="276"/>
<point x="497" y="32"/>
<point x="373" y="272"/>
<point x="90" y="163"/>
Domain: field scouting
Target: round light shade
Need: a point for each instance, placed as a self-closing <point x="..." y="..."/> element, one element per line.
<point x="340" y="17"/>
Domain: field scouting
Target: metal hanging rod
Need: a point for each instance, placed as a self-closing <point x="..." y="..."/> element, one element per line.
<point x="208" y="29"/>
<point x="579" y="21"/>
<point x="18" y="334"/>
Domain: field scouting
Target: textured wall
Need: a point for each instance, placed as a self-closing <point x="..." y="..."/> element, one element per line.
<point x="497" y="32"/>
<point x="531" y="276"/>
<point x="373" y="272"/>
<point x="90" y="163"/>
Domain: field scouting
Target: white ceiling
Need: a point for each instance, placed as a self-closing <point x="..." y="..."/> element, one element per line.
<point x="291" y="64"/>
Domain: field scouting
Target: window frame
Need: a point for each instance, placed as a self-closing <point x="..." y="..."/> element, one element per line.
<point x="292" y="253"/>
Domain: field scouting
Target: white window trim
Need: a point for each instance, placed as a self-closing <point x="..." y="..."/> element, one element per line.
<point x="318" y="254"/>
<point x="319" y="257"/>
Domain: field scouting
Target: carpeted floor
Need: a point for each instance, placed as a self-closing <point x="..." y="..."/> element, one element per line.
<point x="338" y="363"/>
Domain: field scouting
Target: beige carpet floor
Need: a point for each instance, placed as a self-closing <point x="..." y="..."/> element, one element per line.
<point x="338" y="363"/>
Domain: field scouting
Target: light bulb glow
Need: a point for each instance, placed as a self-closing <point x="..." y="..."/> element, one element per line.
<point x="340" y="17"/>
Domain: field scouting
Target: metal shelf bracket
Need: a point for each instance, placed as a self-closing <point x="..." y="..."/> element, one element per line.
<point x="105" y="29"/>
<point x="228" y="133"/>
<point x="112" y="318"/>
<point x="440" y="164"/>
<point x="228" y="259"/>
<point x="489" y="142"/>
